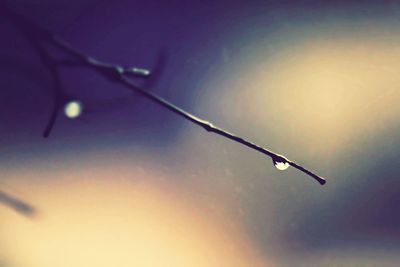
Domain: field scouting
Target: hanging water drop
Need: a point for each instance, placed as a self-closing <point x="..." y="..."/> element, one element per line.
<point x="281" y="165"/>
<point x="73" y="109"/>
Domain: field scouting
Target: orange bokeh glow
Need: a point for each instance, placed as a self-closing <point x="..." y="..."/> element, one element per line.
<point x="102" y="218"/>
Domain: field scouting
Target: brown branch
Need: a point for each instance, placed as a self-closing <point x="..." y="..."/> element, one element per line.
<point x="120" y="74"/>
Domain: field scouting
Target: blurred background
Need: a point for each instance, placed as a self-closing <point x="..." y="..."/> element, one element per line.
<point x="131" y="184"/>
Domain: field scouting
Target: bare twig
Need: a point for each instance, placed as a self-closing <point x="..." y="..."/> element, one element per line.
<point x="17" y="204"/>
<point x="120" y="74"/>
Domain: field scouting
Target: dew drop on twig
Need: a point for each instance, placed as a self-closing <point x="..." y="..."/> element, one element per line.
<point x="281" y="165"/>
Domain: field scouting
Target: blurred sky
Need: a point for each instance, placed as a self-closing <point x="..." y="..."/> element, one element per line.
<point x="130" y="184"/>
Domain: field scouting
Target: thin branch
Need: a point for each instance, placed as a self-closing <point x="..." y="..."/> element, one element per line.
<point x="120" y="74"/>
<point x="16" y="204"/>
<point x="209" y="127"/>
<point x="52" y="120"/>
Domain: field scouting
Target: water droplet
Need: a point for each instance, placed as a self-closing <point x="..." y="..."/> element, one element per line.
<point x="281" y="165"/>
<point x="73" y="109"/>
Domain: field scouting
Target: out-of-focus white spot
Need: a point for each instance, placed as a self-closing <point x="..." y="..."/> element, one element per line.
<point x="73" y="109"/>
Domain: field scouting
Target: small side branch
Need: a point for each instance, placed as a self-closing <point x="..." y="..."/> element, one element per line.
<point x="16" y="204"/>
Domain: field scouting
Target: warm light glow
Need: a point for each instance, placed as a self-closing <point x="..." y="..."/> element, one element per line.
<point x="73" y="109"/>
<point x="99" y="217"/>
<point x="319" y="95"/>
